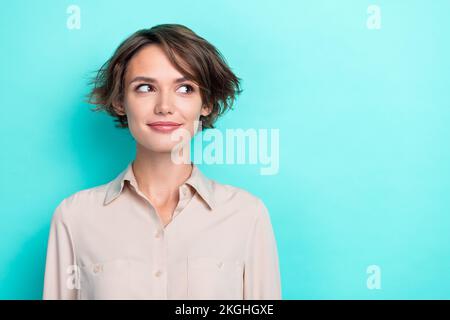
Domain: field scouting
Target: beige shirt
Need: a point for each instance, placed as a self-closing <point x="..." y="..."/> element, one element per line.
<point x="108" y="242"/>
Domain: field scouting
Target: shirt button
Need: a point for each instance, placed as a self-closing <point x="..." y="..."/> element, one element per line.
<point x="158" y="273"/>
<point x="158" y="234"/>
<point x="220" y="264"/>
<point x="97" y="268"/>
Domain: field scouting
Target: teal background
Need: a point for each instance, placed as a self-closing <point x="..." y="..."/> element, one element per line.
<point x="363" y="116"/>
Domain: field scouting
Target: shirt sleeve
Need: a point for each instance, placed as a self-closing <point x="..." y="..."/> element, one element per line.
<point x="261" y="273"/>
<point x="61" y="274"/>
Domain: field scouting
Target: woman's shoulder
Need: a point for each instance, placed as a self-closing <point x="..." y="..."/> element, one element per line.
<point x="227" y="195"/>
<point x="80" y="201"/>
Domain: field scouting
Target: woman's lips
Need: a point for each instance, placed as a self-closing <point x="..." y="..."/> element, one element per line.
<point x="164" y="127"/>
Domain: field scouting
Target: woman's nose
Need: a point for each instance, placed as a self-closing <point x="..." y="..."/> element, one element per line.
<point x="164" y="103"/>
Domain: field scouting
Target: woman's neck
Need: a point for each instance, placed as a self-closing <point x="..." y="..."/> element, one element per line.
<point x="158" y="176"/>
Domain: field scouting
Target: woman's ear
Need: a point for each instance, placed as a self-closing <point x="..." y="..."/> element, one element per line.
<point x="118" y="108"/>
<point x="206" y="110"/>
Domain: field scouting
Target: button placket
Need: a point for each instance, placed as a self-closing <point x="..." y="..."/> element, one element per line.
<point x="160" y="268"/>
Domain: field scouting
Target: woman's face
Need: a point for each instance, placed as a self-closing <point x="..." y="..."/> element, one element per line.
<point x="155" y="91"/>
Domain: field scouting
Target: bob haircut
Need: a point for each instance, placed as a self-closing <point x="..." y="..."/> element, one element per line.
<point x="193" y="56"/>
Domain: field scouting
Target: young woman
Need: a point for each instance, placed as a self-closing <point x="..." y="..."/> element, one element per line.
<point x="161" y="229"/>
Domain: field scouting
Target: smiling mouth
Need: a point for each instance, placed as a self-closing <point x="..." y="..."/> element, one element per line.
<point x="164" y="127"/>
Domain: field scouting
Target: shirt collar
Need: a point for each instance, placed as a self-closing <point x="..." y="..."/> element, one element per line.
<point x="197" y="180"/>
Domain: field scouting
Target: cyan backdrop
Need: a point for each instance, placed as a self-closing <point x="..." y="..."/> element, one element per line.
<point x="363" y="114"/>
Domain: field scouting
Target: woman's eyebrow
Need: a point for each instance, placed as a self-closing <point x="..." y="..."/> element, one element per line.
<point x="153" y="80"/>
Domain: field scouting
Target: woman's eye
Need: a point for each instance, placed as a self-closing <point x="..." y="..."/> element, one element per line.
<point x="187" y="88"/>
<point x="148" y="88"/>
<point x="144" y="88"/>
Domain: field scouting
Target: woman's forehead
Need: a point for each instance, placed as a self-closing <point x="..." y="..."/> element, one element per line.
<point x="152" y="62"/>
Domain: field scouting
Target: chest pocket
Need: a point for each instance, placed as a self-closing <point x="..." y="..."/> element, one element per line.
<point x="214" y="278"/>
<point x="116" y="279"/>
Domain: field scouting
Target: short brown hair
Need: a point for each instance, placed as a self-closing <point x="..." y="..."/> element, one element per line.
<point x="218" y="85"/>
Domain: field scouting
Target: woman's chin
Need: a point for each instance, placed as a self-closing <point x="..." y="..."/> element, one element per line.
<point x="161" y="146"/>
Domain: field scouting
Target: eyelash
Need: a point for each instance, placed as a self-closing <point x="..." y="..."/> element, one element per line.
<point x="190" y="88"/>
